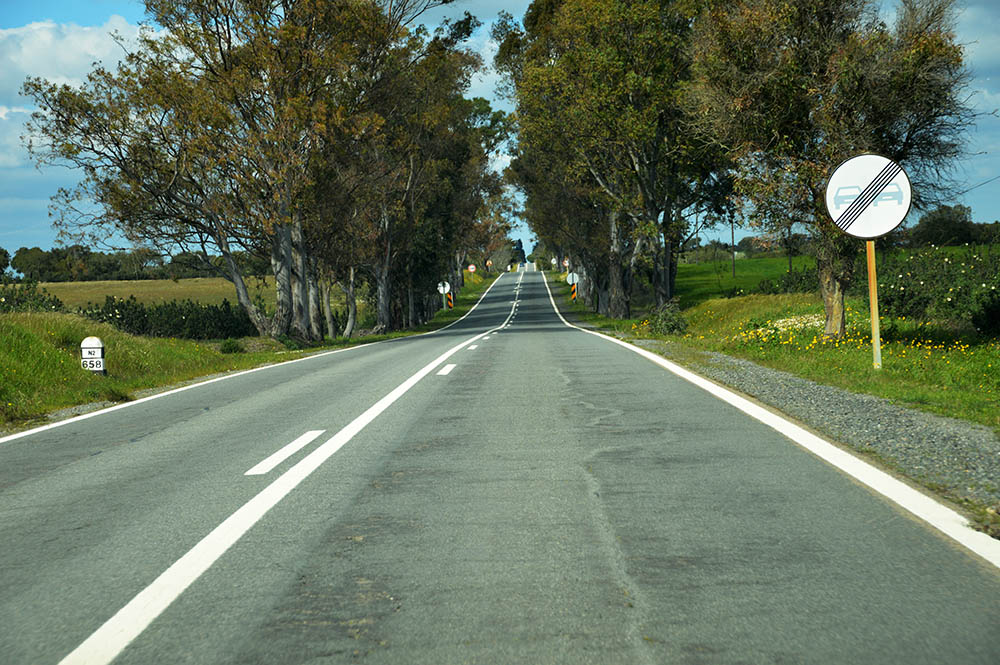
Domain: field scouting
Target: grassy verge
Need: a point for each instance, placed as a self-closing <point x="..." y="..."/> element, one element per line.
<point x="698" y="282"/>
<point x="40" y="359"/>
<point x="940" y="370"/>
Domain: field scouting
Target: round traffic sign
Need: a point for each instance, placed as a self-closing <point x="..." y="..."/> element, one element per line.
<point x="444" y="287"/>
<point x="868" y="196"/>
<point x="489" y="263"/>
<point x="572" y="278"/>
<point x="472" y="267"/>
<point x="565" y="263"/>
<point x="554" y="261"/>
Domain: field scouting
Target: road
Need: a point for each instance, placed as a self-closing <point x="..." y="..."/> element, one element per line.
<point x="536" y="494"/>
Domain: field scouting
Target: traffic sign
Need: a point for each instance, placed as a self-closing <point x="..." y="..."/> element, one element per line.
<point x="868" y="196"/>
<point x="572" y="278"/>
<point x="565" y="263"/>
<point x="444" y="287"/>
<point x="472" y="267"/>
<point x="554" y="260"/>
<point x="489" y="263"/>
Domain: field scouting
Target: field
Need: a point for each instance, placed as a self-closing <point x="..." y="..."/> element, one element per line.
<point x="697" y="282"/>
<point x="206" y="290"/>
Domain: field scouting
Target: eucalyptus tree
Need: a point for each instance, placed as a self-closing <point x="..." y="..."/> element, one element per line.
<point x="790" y="90"/>
<point x="205" y="137"/>
<point x="608" y="77"/>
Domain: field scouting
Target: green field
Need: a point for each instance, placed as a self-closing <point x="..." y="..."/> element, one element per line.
<point x="698" y="282"/>
<point x="205" y="290"/>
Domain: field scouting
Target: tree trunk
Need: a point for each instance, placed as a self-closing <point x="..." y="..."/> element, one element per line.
<point x="258" y="318"/>
<point x="833" y="301"/>
<point x="281" y="266"/>
<point x="352" y="304"/>
<point x="331" y="326"/>
<point x="617" y="296"/>
<point x="301" y="303"/>
<point x="315" y="310"/>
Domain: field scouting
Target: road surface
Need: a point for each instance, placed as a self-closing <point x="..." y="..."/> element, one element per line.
<point x="536" y="494"/>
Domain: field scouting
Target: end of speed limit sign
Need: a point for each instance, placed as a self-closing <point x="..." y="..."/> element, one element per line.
<point x="868" y="196"/>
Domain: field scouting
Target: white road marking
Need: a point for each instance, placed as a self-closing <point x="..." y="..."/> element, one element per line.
<point x="283" y="454"/>
<point x="446" y="370"/>
<point x="939" y="516"/>
<point x="473" y="347"/>
<point x="129" y="622"/>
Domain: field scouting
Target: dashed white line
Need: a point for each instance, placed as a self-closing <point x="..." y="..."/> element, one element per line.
<point x="283" y="454"/>
<point x="473" y="347"/>
<point x="446" y="370"/>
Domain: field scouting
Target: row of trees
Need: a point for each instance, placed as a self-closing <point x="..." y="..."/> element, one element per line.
<point x="329" y="139"/>
<point x="77" y="263"/>
<point x="641" y="121"/>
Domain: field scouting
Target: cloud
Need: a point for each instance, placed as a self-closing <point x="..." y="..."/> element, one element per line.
<point x="61" y="53"/>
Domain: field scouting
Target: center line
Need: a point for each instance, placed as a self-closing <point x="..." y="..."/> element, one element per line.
<point x="283" y="454"/>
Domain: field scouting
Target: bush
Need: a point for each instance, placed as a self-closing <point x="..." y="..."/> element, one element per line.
<point x="26" y="297"/>
<point x="667" y="319"/>
<point x="185" y="319"/>
<point x="231" y="345"/>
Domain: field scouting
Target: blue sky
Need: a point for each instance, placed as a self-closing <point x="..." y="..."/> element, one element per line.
<point x="59" y="39"/>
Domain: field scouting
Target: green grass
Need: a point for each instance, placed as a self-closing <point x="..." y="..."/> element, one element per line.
<point x="40" y="358"/>
<point x="698" y="282"/>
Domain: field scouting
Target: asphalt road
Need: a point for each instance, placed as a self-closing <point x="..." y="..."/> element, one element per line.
<point x="552" y="498"/>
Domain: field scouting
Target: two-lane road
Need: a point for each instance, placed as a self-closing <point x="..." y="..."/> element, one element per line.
<point x="508" y="489"/>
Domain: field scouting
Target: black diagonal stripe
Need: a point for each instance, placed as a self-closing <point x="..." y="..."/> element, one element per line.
<point x="868" y="195"/>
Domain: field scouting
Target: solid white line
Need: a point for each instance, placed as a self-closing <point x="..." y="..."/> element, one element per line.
<point x="283" y="454"/>
<point x="939" y="516"/>
<point x="116" y="633"/>
<point x="125" y="405"/>
<point x="446" y="370"/>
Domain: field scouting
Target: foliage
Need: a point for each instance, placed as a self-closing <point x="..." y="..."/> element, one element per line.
<point x="937" y="285"/>
<point x="231" y="345"/>
<point x="804" y="280"/>
<point x="185" y="319"/>
<point x="795" y="88"/>
<point x="667" y="319"/>
<point x="26" y="296"/>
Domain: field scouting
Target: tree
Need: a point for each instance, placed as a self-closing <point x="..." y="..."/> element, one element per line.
<point x="34" y="263"/>
<point x="791" y="89"/>
<point x="4" y="260"/>
<point x="945" y="225"/>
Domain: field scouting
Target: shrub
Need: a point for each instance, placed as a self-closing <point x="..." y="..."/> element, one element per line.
<point x="26" y="297"/>
<point x="667" y="319"/>
<point x="231" y="345"/>
<point x="185" y="319"/>
<point x="805" y="280"/>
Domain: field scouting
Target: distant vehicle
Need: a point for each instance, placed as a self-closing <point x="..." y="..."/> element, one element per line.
<point x="845" y="196"/>
<point x="892" y="192"/>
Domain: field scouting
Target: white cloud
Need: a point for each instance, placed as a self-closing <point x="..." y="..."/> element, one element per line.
<point x="61" y="53"/>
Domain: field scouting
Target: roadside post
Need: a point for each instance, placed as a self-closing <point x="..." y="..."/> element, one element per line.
<point x="92" y="355"/>
<point x="451" y="301"/>
<point x="554" y="262"/>
<point x="444" y="288"/>
<point x="868" y="196"/>
<point x="572" y="279"/>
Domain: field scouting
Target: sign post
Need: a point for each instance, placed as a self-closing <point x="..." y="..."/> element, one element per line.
<point x="867" y="197"/>
<point x="572" y="279"/>
<point x="443" y="288"/>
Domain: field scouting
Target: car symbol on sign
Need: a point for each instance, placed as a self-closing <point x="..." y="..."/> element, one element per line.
<point x="845" y="196"/>
<point x="892" y="192"/>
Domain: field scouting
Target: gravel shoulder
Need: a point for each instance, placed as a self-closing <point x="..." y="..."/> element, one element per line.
<point x="954" y="459"/>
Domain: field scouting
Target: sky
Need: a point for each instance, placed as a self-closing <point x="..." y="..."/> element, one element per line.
<point x="60" y="39"/>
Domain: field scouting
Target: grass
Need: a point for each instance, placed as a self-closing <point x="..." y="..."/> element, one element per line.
<point x="40" y="358"/>
<point x="698" y="282"/>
